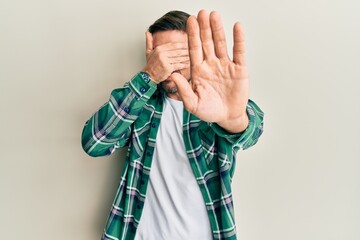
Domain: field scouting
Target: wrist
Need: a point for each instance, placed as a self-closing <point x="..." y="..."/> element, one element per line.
<point x="237" y="125"/>
<point x="150" y="74"/>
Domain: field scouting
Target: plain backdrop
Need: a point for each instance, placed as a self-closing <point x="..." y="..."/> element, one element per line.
<point x="59" y="61"/>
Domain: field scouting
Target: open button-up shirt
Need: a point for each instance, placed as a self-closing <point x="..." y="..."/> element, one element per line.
<point x="131" y="118"/>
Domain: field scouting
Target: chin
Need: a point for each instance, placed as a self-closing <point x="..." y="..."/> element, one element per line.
<point x="169" y="86"/>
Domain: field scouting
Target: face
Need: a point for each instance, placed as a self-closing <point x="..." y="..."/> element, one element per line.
<point x="168" y="36"/>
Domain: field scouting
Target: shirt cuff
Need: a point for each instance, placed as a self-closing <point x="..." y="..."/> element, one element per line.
<point x="249" y="136"/>
<point x="224" y="133"/>
<point x="141" y="85"/>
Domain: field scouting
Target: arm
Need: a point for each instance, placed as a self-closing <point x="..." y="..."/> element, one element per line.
<point x="250" y="135"/>
<point x="110" y="127"/>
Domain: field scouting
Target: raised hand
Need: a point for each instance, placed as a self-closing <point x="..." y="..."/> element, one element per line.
<point x="219" y="87"/>
<point x="165" y="59"/>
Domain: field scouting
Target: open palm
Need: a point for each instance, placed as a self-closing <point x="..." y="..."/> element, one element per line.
<point x="219" y="87"/>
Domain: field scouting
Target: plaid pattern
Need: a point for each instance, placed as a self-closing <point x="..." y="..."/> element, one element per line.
<point x="131" y="118"/>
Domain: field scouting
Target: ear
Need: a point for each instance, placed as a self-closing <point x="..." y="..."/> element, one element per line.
<point x="149" y="42"/>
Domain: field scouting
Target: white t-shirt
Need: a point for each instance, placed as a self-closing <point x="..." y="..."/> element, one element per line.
<point x="174" y="208"/>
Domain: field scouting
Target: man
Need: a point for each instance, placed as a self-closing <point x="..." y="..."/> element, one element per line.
<point x="176" y="180"/>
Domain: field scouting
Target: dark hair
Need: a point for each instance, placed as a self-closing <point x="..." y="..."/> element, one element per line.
<point x="173" y="20"/>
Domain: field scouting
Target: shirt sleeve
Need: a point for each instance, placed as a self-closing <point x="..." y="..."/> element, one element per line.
<point x="110" y="127"/>
<point x="250" y="135"/>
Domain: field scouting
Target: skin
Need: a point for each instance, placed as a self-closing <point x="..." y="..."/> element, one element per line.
<point x="172" y="47"/>
<point x="219" y="87"/>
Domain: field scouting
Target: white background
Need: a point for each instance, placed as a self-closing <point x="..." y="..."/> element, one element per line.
<point x="59" y="61"/>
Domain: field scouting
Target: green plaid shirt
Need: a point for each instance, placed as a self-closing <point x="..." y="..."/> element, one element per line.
<point x="131" y="118"/>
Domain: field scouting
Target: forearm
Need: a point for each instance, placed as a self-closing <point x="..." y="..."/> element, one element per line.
<point x="109" y="127"/>
<point x="250" y="132"/>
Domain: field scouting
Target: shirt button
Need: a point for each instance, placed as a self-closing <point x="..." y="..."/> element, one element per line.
<point x="127" y="109"/>
<point x="153" y="125"/>
<point x="142" y="182"/>
<point x="138" y="206"/>
<point x="148" y="154"/>
<point x="142" y="89"/>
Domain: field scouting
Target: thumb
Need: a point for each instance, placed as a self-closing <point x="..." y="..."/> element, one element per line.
<point x="188" y="96"/>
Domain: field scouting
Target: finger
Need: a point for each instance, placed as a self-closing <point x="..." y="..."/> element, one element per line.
<point x="218" y="35"/>
<point x="177" y="53"/>
<point x="179" y="66"/>
<point x="149" y="42"/>
<point x="172" y="46"/>
<point x="239" y="45"/>
<point x="188" y="96"/>
<point x="179" y="59"/>
<point x="195" y="49"/>
<point x="205" y="34"/>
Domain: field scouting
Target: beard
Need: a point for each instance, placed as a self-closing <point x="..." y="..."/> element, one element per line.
<point x="171" y="90"/>
<point x="169" y="86"/>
